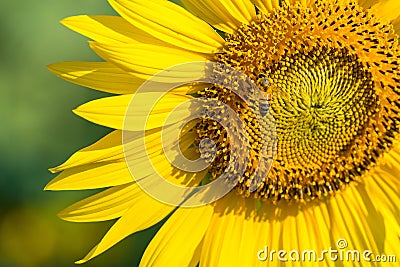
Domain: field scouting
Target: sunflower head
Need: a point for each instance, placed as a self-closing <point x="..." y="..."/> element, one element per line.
<point x="311" y="120"/>
<point x="332" y="72"/>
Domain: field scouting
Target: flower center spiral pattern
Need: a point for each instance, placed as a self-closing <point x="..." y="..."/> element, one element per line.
<point x="333" y="83"/>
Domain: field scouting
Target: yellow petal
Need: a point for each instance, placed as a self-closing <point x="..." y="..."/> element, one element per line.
<point x="266" y="6"/>
<point x="387" y="10"/>
<point x="106" y="174"/>
<point x="112" y="111"/>
<point x="109" y="29"/>
<point x="357" y="219"/>
<point x="304" y="2"/>
<point x="196" y="256"/>
<point x="80" y="173"/>
<point x="91" y="176"/>
<point x="233" y="238"/>
<point x="106" y="149"/>
<point x="385" y="187"/>
<point x="387" y="201"/>
<point x="111" y="148"/>
<point x="167" y="171"/>
<point x="367" y="215"/>
<point x="143" y="214"/>
<point x="102" y="76"/>
<point x="238" y="231"/>
<point x="107" y="205"/>
<point x="396" y="25"/>
<point x="184" y="30"/>
<point x="225" y="15"/>
<point x="229" y="240"/>
<point x="182" y="232"/>
<point x="145" y="58"/>
<point x="367" y="3"/>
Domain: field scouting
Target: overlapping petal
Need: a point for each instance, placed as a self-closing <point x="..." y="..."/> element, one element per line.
<point x="109" y="29"/>
<point x="396" y="25"/>
<point x="86" y="169"/>
<point x="354" y="218"/>
<point x="143" y="214"/>
<point x="367" y="3"/>
<point x="106" y="77"/>
<point x="387" y="10"/>
<point x="91" y="176"/>
<point x="108" y="148"/>
<point x="107" y="205"/>
<point x="112" y="111"/>
<point x="148" y="59"/>
<point x="184" y="30"/>
<point x="269" y="227"/>
<point x="173" y="238"/>
<point x="225" y="15"/>
<point x="102" y="76"/>
<point x="266" y="6"/>
<point x="384" y="188"/>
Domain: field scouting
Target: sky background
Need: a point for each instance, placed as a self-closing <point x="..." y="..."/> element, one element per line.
<point x="39" y="131"/>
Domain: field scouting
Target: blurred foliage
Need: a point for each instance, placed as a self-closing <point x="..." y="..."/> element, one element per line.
<point x="38" y="131"/>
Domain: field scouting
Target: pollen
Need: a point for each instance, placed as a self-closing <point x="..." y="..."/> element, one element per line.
<point x="334" y="72"/>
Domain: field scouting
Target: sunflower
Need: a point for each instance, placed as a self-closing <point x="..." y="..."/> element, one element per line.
<point x="332" y="71"/>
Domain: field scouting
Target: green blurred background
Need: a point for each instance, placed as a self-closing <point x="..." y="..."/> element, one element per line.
<point x="38" y="131"/>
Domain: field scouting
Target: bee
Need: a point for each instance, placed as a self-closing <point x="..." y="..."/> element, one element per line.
<point x="263" y="81"/>
<point x="264" y="107"/>
<point x="266" y="92"/>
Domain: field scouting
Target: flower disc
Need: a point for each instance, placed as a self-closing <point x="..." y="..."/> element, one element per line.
<point x="331" y="73"/>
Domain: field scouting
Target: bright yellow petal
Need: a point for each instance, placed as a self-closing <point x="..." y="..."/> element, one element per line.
<point x="383" y="190"/>
<point x="367" y="3"/>
<point x="266" y="6"/>
<point x="112" y="111"/>
<point x="387" y="10"/>
<point x="396" y="25"/>
<point x="390" y="162"/>
<point x="196" y="256"/>
<point x="232" y="238"/>
<point x="107" y="205"/>
<point x="184" y="30"/>
<point x="106" y="149"/>
<point x="145" y="58"/>
<point x="181" y="234"/>
<point x="356" y="220"/>
<point x="91" y="176"/>
<point x="102" y="76"/>
<point x="87" y="170"/>
<point x="111" y="148"/>
<point x="303" y="2"/>
<point x="167" y="171"/>
<point x="384" y="187"/>
<point x="107" y="174"/>
<point x="225" y="15"/>
<point x="109" y="29"/>
<point x="238" y="232"/>
<point x="143" y="214"/>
